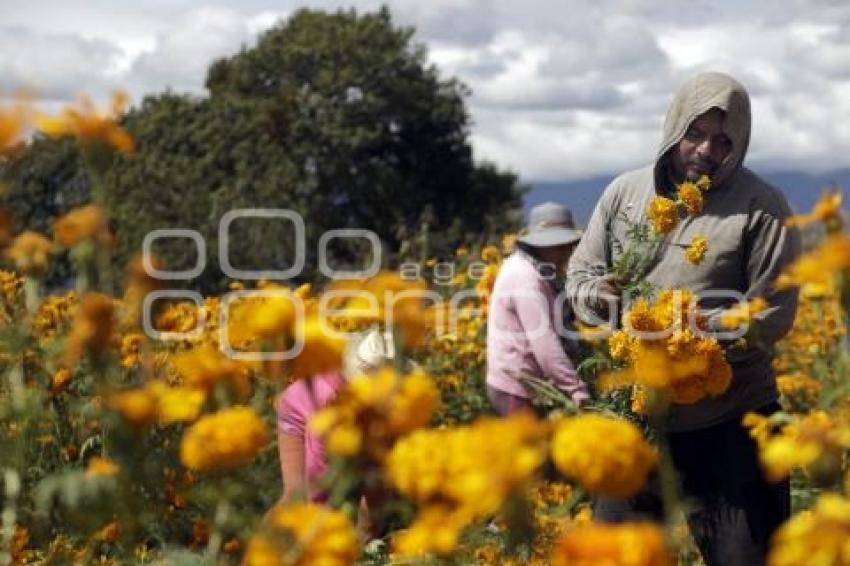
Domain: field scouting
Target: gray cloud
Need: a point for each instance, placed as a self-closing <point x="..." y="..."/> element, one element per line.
<point x="561" y="90"/>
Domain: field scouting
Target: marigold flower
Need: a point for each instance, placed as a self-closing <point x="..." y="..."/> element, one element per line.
<point x="98" y="466"/>
<point x="627" y="544"/>
<point x="88" y="124"/>
<point x="436" y="529"/>
<point x="605" y="455"/>
<point x="92" y="330"/>
<point x="374" y="410"/>
<point x="224" y="440"/>
<point x="820" y="265"/>
<point x="826" y="209"/>
<point x="81" y="224"/>
<point x="817" y="536"/>
<point x="13" y="123"/>
<point x="60" y="380"/>
<point x="663" y="214"/>
<point x="695" y="252"/>
<point x="799" y="390"/>
<point x="322" y="349"/>
<point x="204" y="367"/>
<point x="302" y="534"/>
<point x="742" y="313"/>
<point x="30" y="252"/>
<point x="136" y="406"/>
<point x="813" y="442"/>
<point x="691" y="197"/>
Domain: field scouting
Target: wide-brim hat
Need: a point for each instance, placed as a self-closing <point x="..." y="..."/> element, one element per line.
<point x="549" y="224"/>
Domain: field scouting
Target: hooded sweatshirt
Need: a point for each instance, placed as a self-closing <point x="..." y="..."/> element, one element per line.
<point x="743" y="219"/>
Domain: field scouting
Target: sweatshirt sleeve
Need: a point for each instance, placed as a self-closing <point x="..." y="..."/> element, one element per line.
<point x="771" y="247"/>
<point x="537" y="318"/>
<point x="590" y="261"/>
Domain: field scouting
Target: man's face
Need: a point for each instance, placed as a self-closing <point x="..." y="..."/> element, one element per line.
<point x="703" y="147"/>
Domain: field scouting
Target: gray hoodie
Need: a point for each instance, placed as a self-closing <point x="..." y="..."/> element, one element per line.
<point x="748" y="245"/>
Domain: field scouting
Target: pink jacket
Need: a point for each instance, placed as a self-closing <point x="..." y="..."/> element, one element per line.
<point x="522" y="337"/>
<point x="295" y="406"/>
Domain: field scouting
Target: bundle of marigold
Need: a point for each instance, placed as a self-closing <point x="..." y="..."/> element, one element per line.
<point x="660" y="349"/>
<point x="373" y="411"/>
<point x="302" y="534"/>
<point x="605" y="455"/>
<point x="461" y="474"/>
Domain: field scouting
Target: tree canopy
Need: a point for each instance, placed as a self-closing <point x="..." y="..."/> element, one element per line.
<point x="337" y="116"/>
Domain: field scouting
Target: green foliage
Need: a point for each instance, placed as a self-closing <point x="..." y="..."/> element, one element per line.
<point x="336" y="116"/>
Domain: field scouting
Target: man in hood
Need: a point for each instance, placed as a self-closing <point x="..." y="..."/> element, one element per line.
<point x="732" y="510"/>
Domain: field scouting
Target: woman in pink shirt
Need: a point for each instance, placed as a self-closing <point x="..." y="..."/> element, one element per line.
<point x="302" y="455"/>
<point x="522" y="334"/>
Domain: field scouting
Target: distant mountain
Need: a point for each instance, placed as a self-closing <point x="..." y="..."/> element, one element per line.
<point x="802" y="190"/>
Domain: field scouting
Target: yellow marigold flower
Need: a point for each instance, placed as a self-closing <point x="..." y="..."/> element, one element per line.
<point x="227" y="439"/>
<point x="263" y="316"/>
<point x="462" y="467"/>
<point x="205" y="366"/>
<point x="374" y="410"/>
<point x="60" y="380"/>
<point x="137" y="406"/>
<point x="322" y="349"/>
<point x="626" y="544"/>
<point x="30" y="252"/>
<point x="605" y="455"/>
<point x="691" y="197"/>
<point x="799" y="390"/>
<point x="92" y="330"/>
<point x="825" y="210"/>
<point x="303" y="534"/>
<point x="176" y="404"/>
<point x="86" y="222"/>
<point x="491" y="254"/>
<point x="638" y="405"/>
<point x="663" y="214"/>
<point x="742" y="313"/>
<point x="98" y="466"/>
<point x="760" y="427"/>
<point x="817" y="536"/>
<point x="820" y="265"/>
<point x="695" y="252"/>
<point x="437" y="529"/>
<point x="508" y="243"/>
<point x="704" y="183"/>
<point x="621" y="345"/>
<point x="13" y="120"/>
<point x="88" y="124"/>
<point x="131" y="349"/>
<point x="813" y="442"/>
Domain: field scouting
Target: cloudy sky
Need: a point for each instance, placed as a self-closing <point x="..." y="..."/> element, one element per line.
<point x="562" y="89"/>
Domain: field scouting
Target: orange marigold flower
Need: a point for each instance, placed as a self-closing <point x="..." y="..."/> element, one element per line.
<point x="691" y="197"/>
<point x="663" y="214"/>
<point x="632" y="544"/>
<point x="30" y="252"/>
<point x="80" y="224"/>
<point x="86" y="123"/>
<point x="697" y="249"/>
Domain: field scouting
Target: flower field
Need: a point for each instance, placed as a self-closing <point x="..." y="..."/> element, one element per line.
<point x="120" y="445"/>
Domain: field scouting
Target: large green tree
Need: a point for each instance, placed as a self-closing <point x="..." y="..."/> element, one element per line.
<point x="337" y="116"/>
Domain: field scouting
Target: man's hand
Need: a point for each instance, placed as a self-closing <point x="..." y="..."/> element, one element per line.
<point x="608" y="292"/>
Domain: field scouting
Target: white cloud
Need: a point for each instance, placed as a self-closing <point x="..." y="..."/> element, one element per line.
<point x="561" y="90"/>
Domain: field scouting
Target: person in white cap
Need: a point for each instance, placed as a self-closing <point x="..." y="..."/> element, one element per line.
<point x="522" y="334"/>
